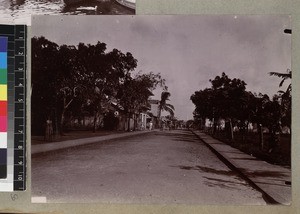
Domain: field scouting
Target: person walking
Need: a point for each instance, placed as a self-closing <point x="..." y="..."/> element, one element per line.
<point x="150" y="125"/>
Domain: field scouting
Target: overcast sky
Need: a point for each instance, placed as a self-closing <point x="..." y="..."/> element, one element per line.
<point x="186" y="50"/>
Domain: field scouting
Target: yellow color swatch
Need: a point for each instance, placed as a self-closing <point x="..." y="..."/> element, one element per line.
<point x="3" y="92"/>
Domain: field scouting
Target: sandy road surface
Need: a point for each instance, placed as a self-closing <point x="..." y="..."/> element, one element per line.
<point x="161" y="167"/>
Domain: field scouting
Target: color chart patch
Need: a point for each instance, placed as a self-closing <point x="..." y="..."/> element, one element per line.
<point x="3" y="107"/>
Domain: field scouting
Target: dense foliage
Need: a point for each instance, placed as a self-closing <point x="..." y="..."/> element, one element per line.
<point x="75" y="81"/>
<point x="228" y="99"/>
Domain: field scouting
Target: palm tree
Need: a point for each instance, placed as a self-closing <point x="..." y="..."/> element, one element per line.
<point x="164" y="106"/>
<point x="285" y="97"/>
<point x="284" y="77"/>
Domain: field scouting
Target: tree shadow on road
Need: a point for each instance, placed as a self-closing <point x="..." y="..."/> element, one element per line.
<point x="207" y="170"/>
<point x="185" y="136"/>
<point x="213" y="181"/>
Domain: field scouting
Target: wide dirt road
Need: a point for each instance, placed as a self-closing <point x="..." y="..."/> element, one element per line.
<point x="160" y="167"/>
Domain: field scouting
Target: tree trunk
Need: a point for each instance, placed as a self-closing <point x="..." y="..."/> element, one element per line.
<point x="95" y="121"/>
<point x="261" y="136"/>
<point x="159" y="119"/>
<point x="247" y="131"/>
<point x="135" y="122"/>
<point x="56" y="132"/>
<point x="62" y="119"/>
<point x="244" y="134"/>
<point x="215" y="127"/>
<point x="128" y="123"/>
<point x="247" y="126"/>
<point x="124" y="122"/>
<point x="203" y="123"/>
<point x="231" y="129"/>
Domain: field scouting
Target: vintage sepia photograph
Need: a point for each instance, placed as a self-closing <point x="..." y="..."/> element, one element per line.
<point x="189" y="109"/>
<point x="20" y="11"/>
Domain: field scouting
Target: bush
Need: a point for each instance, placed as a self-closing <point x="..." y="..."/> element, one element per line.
<point x="249" y="143"/>
<point x="110" y="121"/>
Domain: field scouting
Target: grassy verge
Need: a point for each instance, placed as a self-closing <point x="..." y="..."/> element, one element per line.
<point x="249" y="143"/>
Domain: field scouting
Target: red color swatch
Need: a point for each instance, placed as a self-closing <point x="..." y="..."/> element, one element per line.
<point x="3" y="108"/>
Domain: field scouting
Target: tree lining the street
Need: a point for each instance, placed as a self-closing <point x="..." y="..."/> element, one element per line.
<point x="164" y="106"/>
<point x="135" y="93"/>
<point x="229" y="100"/>
<point x="73" y="81"/>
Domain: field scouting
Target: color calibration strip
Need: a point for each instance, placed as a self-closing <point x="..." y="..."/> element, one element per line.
<point x="15" y="107"/>
<point x="3" y="107"/>
<point x="18" y="103"/>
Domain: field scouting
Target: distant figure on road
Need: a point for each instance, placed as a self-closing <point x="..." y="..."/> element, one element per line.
<point x="49" y="131"/>
<point x="150" y="125"/>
